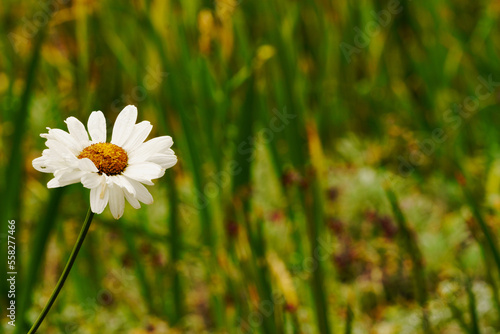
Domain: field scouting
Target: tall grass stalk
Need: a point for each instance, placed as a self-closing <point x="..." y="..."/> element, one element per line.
<point x="490" y="238"/>
<point x="37" y="251"/>
<point x="409" y="243"/>
<point x="10" y="207"/>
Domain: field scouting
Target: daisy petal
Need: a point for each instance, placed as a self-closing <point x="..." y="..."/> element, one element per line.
<point x="124" y="125"/>
<point x="142" y="193"/>
<point x="42" y="165"/>
<point x="123" y="182"/>
<point x="116" y="201"/>
<point x="132" y="200"/>
<point x="69" y="177"/>
<point x="139" y="134"/>
<point x="53" y="183"/>
<point x="77" y="130"/>
<point x="99" y="198"/>
<point x="59" y="148"/>
<point x="143" y="172"/>
<point x="149" y="148"/>
<point x="87" y="165"/>
<point x="64" y="138"/>
<point x="64" y="179"/>
<point x="164" y="160"/>
<point x="92" y="180"/>
<point x="97" y="126"/>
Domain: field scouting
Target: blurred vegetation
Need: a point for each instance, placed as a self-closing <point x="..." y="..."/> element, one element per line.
<point x="338" y="168"/>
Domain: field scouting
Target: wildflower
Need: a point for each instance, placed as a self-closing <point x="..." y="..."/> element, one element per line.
<point x="112" y="171"/>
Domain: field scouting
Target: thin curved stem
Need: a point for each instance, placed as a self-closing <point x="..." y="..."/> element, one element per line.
<point x="65" y="273"/>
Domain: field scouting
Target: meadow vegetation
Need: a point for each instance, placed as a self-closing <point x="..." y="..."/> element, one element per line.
<point x="339" y="165"/>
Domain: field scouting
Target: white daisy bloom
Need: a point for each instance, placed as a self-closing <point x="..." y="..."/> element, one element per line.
<point x="112" y="171"/>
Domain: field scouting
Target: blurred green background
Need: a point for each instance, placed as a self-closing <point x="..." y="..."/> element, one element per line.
<point x="339" y="166"/>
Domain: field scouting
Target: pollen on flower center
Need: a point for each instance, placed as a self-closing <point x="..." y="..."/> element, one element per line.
<point x="109" y="159"/>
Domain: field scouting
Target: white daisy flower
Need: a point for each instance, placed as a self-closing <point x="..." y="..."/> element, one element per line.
<point x="112" y="171"/>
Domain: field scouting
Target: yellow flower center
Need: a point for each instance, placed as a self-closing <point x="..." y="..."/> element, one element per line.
<point x="108" y="158"/>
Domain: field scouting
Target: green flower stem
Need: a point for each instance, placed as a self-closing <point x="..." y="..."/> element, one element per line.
<point x="65" y="273"/>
